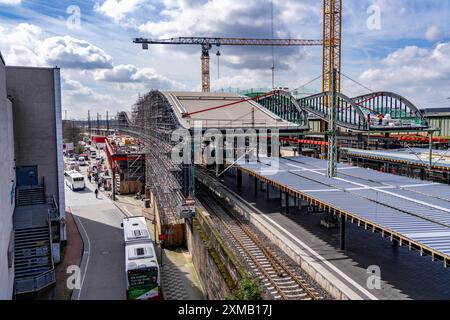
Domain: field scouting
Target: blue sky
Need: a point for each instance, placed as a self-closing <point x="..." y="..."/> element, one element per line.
<point x="392" y="45"/>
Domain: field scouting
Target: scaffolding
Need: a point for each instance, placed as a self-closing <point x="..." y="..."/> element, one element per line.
<point x="153" y="121"/>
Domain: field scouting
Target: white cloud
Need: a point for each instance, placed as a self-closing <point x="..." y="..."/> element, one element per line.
<point x="224" y="16"/>
<point x="28" y="45"/>
<point x="11" y="2"/>
<point x="73" y="87"/>
<point x="118" y="9"/>
<point x="433" y="33"/>
<point x="73" y="53"/>
<point x="78" y="98"/>
<point x="128" y="74"/>
<point x="423" y="74"/>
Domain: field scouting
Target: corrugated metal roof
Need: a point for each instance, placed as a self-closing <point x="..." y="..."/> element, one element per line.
<point x="419" y="156"/>
<point x="247" y="114"/>
<point x="416" y="210"/>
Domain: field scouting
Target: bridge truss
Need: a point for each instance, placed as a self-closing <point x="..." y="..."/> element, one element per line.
<point x="357" y="114"/>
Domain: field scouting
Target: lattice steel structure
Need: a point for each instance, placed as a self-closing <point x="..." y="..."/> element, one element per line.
<point x="332" y="44"/>
<point x="284" y="105"/>
<point x="153" y="122"/>
<point x="206" y="76"/>
<point x="358" y="113"/>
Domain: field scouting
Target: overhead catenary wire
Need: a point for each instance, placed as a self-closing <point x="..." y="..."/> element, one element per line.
<point x="308" y="83"/>
<point x="357" y="82"/>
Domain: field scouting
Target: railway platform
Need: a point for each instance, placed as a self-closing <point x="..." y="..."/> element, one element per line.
<point x="404" y="275"/>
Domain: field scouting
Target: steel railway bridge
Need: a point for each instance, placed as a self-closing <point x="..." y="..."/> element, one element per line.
<point x="357" y="114"/>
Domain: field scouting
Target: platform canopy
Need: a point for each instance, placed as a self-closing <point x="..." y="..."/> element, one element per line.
<point x="414" y="213"/>
<point x="224" y="110"/>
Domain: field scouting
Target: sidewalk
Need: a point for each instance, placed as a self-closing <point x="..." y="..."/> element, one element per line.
<point x="178" y="276"/>
<point x="71" y="255"/>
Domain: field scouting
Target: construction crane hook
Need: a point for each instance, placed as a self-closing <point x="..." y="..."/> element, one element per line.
<point x="218" y="54"/>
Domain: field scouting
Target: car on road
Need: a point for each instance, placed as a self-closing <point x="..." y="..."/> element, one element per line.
<point x="73" y="165"/>
<point x="82" y="161"/>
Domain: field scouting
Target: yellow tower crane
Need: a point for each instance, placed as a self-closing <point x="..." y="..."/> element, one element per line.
<point x="332" y="43"/>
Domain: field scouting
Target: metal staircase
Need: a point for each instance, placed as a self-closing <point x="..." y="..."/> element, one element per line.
<point x="33" y="258"/>
<point x="117" y="178"/>
<point x="135" y="167"/>
<point x="30" y="196"/>
<point x="33" y="261"/>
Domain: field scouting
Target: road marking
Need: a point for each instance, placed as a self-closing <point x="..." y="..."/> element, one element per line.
<point x="419" y="185"/>
<point x="88" y="255"/>
<point x="129" y="213"/>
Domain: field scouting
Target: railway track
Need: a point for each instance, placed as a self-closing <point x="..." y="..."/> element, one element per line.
<point x="278" y="278"/>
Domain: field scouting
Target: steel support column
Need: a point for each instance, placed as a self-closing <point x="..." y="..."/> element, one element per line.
<point x="342" y="232"/>
<point x="239" y="178"/>
<point x="286" y="199"/>
<point x="332" y="139"/>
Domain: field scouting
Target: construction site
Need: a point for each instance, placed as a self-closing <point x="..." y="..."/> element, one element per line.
<point x="305" y="192"/>
<point x="262" y="194"/>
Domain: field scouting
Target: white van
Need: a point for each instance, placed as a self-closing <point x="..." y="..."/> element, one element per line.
<point x="74" y="180"/>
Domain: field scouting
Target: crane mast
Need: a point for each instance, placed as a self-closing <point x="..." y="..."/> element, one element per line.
<point x="331" y="75"/>
<point x="206" y="74"/>
<point x="332" y="43"/>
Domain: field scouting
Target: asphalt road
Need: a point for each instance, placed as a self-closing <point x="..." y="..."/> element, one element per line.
<point x="103" y="264"/>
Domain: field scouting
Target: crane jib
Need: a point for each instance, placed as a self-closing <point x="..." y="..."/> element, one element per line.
<point x="231" y="41"/>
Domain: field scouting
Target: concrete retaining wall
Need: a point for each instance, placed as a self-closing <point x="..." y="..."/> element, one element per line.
<point x="217" y="267"/>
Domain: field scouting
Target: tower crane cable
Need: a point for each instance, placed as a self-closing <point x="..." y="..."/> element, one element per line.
<point x="308" y="83"/>
<point x="358" y="83"/>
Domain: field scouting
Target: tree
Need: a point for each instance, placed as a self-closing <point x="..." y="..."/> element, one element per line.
<point x="71" y="133"/>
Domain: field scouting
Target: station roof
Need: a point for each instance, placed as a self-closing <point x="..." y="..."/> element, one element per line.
<point x="415" y="212"/>
<point x="436" y="112"/>
<point x="414" y="156"/>
<point x="238" y="111"/>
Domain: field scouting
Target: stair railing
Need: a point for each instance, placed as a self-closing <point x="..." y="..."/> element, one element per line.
<point x="34" y="284"/>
